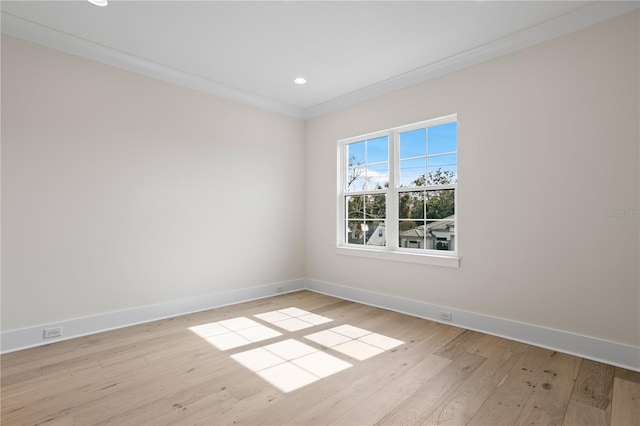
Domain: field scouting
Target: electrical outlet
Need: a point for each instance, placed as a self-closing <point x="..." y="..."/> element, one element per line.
<point x="446" y="316"/>
<point x="50" y="333"/>
<point x="279" y="289"/>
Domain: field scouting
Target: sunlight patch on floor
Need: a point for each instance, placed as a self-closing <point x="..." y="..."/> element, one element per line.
<point x="233" y="333"/>
<point x="354" y="342"/>
<point x="293" y="319"/>
<point x="290" y="364"/>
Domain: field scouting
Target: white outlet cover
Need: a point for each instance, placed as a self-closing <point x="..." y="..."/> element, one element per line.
<point x="49" y="333"/>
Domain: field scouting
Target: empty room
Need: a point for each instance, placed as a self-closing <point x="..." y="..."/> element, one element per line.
<point x="320" y="213"/>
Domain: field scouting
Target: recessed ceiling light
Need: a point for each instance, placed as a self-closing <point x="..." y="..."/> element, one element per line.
<point x="300" y="80"/>
<point x="99" y="2"/>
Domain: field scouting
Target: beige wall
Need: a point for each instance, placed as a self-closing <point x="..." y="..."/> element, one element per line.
<point x="548" y="142"/>
<point x="120" y="191"/>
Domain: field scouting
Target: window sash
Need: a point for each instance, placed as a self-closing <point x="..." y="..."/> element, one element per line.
<point x="392" y="192"/>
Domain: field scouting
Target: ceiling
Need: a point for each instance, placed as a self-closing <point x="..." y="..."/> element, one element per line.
<point x="252" y="51"/>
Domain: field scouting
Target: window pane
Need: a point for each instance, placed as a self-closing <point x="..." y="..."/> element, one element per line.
<point x="375" y="233"/>
<point x="368" y="164"/>
<point x="376" y="206"/>
<point x="443" y="138"/>
<point x="355" y="153"/>
<point x="355" y="207"/>
<point x="442" y="169"/>
<point x="377" y="176"/>
<point x="406" y="225"/>
<point x="411" y="234"/>
<point x="413" y="144"/>
<point x="357" y="183"/>
<point x="440" y="235"/>
<point x="427" y="235"/>
<point x="356" y="177"/>
<point x="411" y="172"/>
<point x="440" y="204"/>
<point x="355" y="231"/>
<point x="378" y="150"/>
<point x="411" y="205"/>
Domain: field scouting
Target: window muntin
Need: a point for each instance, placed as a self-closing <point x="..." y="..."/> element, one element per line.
<point x="399" y="189"/>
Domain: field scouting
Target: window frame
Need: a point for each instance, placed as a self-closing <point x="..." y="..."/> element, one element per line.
<point x="392" y="249"/>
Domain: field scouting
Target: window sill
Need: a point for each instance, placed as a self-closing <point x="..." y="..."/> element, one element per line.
<point x="401" y="256"/>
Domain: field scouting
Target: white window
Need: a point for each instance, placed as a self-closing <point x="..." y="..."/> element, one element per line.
<point x="397" y="193"/>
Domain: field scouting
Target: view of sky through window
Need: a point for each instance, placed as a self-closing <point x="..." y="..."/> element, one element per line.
<point x="368" y="164"/>
<point x="425" y="151"/>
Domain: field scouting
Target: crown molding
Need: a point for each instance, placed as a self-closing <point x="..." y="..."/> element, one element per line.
<point x="40" y="34"/>
<point x="591" y="14"/>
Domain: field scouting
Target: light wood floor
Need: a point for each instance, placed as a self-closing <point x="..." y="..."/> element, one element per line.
<point x="162" y="373"/>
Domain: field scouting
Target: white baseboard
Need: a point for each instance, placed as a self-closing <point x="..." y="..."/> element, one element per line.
<point x="613" y="353"/>
<point x="24" y="338"/>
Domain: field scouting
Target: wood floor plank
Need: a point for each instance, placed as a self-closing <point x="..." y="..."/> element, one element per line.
<point x="505" y="404"/>
<point x="70" y="395"/>
<point x="139" y="414"/>
<point x="62" y="421"/>
<point x="416" y="408"/>
<point x="206" y="410"/>
<point x="141" y="390"/>
<point x="625" y="410"/>
<point x="459" y="345"/>
<point x="594" y="384"/>
<point x="25" y="389"/>
<point x="88" y="393"/>
<point x="332" y="306"/>
<point x="467" y="399"/>
<point x="579" y="414"/>
<point x="50" y="397"/>
<point x="21" y="376"/>
<point x="624" y="374"/>
<point x="549" y="400"/>
<point x="378" y="403"/>
<point x="487" y="345"/>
